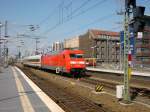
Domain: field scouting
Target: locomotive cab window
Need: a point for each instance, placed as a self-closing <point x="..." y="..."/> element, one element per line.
<point x="76" y="55"/>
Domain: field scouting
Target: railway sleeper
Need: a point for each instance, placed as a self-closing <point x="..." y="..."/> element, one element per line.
<point x="141" y="91"/>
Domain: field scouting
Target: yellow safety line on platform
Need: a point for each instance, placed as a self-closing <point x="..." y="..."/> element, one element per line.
<point x="25" y="102"/>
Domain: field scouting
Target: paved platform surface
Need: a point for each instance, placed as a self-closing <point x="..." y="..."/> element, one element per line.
<point x="19" y="94"/>
<point x="136" y="73"/>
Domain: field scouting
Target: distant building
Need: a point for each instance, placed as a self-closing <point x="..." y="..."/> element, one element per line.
<point x="102" y="45"/>
<point x="142" y="46"/>
<point x="71" y="43"/>
<point x="107" y="46"/>
<point x="99" y="44"/>
<point x="57" y="46"/>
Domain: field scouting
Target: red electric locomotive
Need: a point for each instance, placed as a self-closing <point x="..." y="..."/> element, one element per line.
<point x="68" y="61"/>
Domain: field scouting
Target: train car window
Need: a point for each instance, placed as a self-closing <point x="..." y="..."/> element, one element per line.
<point x="34" y="60"/>
<point x="76" y="55"/>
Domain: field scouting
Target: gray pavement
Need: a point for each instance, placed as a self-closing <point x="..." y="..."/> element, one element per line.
<point x="10" y="98"/>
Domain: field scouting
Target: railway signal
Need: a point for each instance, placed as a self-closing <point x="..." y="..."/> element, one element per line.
<point x="129" y="64"/>
<point x="139" y="22"/>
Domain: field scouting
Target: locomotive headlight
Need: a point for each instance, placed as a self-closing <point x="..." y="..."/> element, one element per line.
<point x="73" y="62"/>
<point x="81" y="62"/>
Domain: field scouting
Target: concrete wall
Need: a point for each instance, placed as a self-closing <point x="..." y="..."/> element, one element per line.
<point x="72" y="43"/>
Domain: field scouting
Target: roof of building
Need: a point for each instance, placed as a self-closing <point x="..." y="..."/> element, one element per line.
<point x="97" y="32"/>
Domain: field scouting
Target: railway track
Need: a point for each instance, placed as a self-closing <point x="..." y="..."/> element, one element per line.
<point x="112" y="85"/>
<point x="134" y="90"/>
<point x="140" y="95"/>
<point x="70" y="102"/>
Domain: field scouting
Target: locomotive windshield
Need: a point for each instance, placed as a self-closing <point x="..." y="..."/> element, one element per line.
<point x="76" y="55"/>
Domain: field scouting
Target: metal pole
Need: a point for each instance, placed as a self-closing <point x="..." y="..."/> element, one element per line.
<point x="36" y="45"/>
<point x="126" y="95"/>
<point x="19" y="47"/>
<point x="1" y="60"/>
<point x="6" y="34"/>
<point x="120" y="56"/>
<point x="19" y="53"/>
<point x="5" y="45"/>
<point x="4" y="52"/>
<point x="93" y="57"/>
<point x="107" y="50"/>
<point x="0" y="39"/>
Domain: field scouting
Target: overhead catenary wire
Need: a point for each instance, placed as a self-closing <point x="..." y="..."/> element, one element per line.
<point x="51" y="14"/>
<point x="82" y="5"/>
<point x="68" y="7"/>
<point x="109" y="16"/>
<point x="61" y="21"/>
<point x="89" y="8"/>
<point x="76" y="14"/>
<point x="73" y="17"/>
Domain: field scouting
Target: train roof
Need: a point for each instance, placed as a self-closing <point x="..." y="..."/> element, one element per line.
<point x="66" y="51"/>
<point x="73" y="51"/>
<point x="33" y="57"/>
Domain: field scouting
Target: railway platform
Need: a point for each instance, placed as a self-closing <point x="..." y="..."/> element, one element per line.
<point x="135" y="73"/>
<point x="19" y="94"/>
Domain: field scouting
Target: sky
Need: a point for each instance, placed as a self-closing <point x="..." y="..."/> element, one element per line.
<point x="56" y="20"/>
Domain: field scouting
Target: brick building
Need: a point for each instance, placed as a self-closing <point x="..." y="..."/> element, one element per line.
<point x="102" y="45"/>
<point x="107" y="46"/>
<point x="142" y="46"/>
